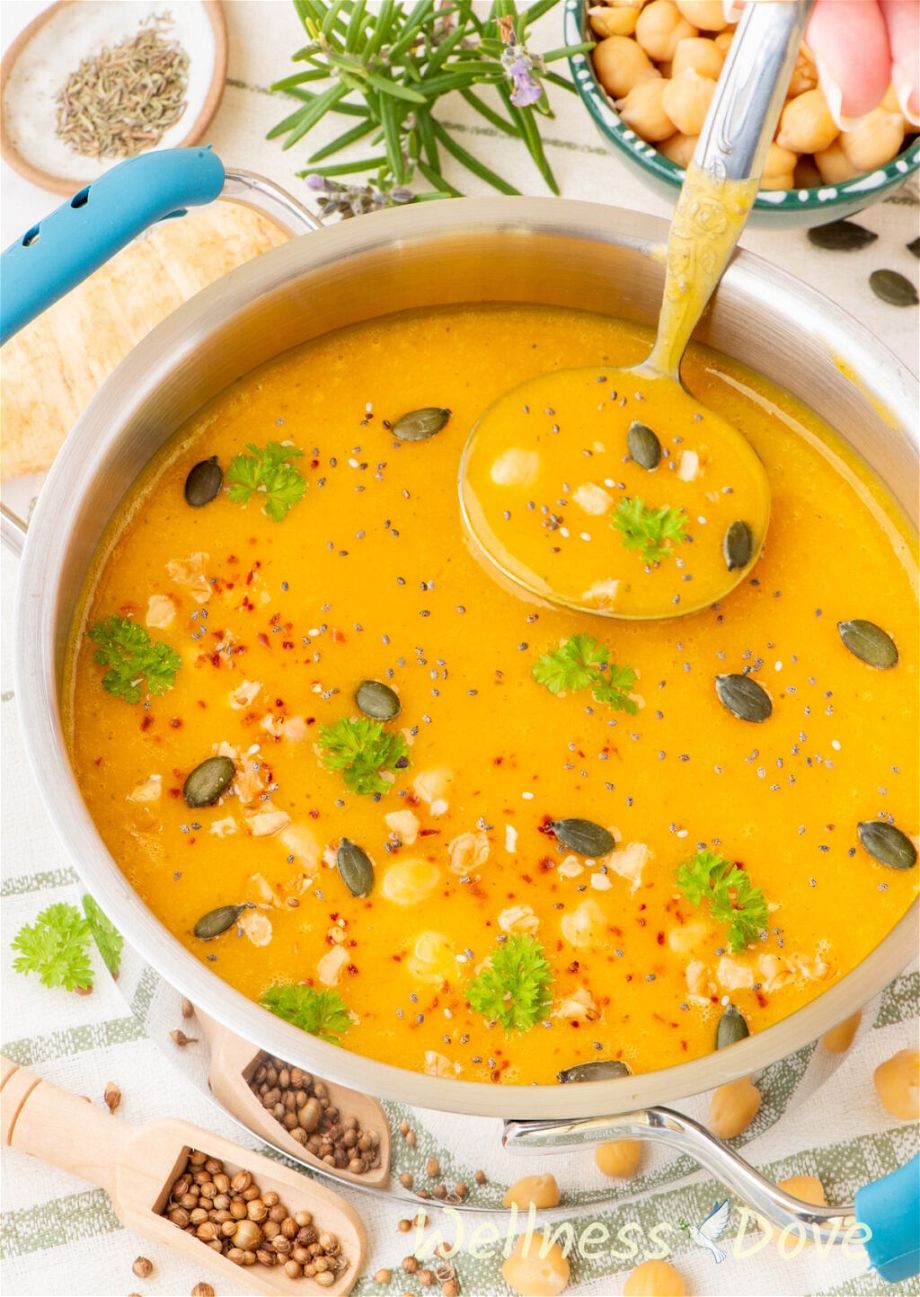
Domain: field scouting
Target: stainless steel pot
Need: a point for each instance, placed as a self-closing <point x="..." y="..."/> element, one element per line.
<point x="541" y="251"/>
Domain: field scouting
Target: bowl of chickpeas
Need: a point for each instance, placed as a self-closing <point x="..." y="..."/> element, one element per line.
<point x="651" y="76"/>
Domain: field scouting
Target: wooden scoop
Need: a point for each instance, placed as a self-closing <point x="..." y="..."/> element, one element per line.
<point x="234" y="1060"/>
<point x="137" y="1168"/>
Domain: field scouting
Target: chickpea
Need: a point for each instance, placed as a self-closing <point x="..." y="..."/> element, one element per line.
<point x="642" y="111"/>
<point x="536" y="1267"/>
<point x="778" y="169"/>
<point x="702" y="55"/>
<point x="804" y="75"/>
<point x="609" y="21"/>
<point x="733" y="1107"/>
<point x="839" y="1039"/>
<point x="620" y="64"/>
<point x="541" y="1190"/>
<point x="708" y="15"/>
<point x="898" y="1084"/>
<point x="833" y="165"/>
<point x="655" y="1279"/>
<point x="806" y="125"/>
<point x="679" y="148"/>
<point x="686" y="100"/>
<point x="619" y="1158"/>
<point x="659" y="27"/>
<point x="807" y="1187"/>
<point x="874" y="140"/>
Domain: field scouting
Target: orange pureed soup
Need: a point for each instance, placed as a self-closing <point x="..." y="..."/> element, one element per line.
<point x="568" y="846"/>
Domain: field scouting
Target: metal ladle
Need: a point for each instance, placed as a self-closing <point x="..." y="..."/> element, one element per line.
<point x="527" y="452"/>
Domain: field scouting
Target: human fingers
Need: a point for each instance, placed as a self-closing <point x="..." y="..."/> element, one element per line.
<point x="850" y="43"/>
<point x="902" y="18"/>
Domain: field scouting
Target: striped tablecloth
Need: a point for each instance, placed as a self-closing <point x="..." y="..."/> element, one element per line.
<point x="60" y="1236"/>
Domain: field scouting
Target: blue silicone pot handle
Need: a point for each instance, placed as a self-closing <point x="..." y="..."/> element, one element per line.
<point x="890" y="1208"/>
<point x="83" y="233"/>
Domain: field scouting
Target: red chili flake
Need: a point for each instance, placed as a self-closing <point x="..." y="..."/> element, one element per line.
<point x="641" y="922"/>
<point x="573" y="1022"/>
<point x="546" y="826"/>
<point x="263" y="639"/>
<point x="762" y="999"/>
<point x="311" y="720"/>
<point x="338" y="636"/>
<point x="643" y="906"/>
<point x="660" y="938"/>
<point x="683" y="1045"/>
<point x="176" y="723"/>
<point x="313" y="814"/>
<point x="573" y="967"/>
<point x="428" y="833"/>
<point x="287" y="644"/>
<point x="98" y="761"/>
<point x="202" y="704"/>
<point x="546" y="865"/>
<point x="232" y="558"/>
<point x="314" y="463"/>
<point x="397" y="959"/>
<point x="191" y="841"/>
<point x="527" y="878"/>
<point x="175" y="792"/>
<point x="352" y="970"/>
<point x="496" y="761"/>
<point x="629" y="977"/>
<point x="146" y="722"/>
<point x="229" y="585"/>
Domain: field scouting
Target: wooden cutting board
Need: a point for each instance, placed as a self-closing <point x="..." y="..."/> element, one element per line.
<point x="51" y="370"/>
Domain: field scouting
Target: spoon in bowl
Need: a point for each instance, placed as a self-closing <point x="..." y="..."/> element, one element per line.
<point x="615" y="491"/>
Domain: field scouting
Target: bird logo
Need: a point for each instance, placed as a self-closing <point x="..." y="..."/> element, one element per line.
<point x="712" y="1228"/>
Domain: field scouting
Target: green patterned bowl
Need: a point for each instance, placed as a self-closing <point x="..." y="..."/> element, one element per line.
<point x="773" y="207"/>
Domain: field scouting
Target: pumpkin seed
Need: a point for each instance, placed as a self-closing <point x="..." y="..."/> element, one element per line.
<point x="583" y="836"/>
<point x="217" y="921"/>
<point x="841" y="236"/>
<point x="356" y="868"/>
<point x="377" y="700"/>
<point x="204" y="482"/>
<point x="419" y="425"/>
<point x="914" y="246"/>
<point x="891" y="286"/>
<point x="744" y="698"/>
<point x="644" y="446"/>
<point x="869" y="643"/>
<point x="732" y="1028"/>
<point x="207" y="781"/>
<point x="738" y="545"/>
<point x="888" y="845"/>
<point x="601" y="1069"/>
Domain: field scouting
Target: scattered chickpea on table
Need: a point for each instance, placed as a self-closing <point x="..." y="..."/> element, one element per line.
<point x="659" y="60"/>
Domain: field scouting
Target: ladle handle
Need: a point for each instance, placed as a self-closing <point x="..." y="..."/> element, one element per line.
<point x="722" y="180"/>
<point x="59" y="1128"/>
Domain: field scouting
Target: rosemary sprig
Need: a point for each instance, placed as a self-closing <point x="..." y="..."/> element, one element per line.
<point x="389" y="64"/>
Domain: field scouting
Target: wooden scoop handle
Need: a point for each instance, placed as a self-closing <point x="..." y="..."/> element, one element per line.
<point x="59" y="1128"/>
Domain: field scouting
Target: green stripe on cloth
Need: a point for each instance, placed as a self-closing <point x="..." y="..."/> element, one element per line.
<point x="32" y="1050"/>
<point x="61" y="1221"/>
<point x="43" y="881"/>
<point x="899" y="1000"/>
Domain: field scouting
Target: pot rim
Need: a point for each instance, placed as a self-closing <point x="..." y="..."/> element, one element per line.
<point x="882" y="377"/>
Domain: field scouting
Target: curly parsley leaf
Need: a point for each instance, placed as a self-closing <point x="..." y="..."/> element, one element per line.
<point x="268" y="473"/>
<point x="362" y="749"/>
<point x="729" y="893"/>
<point x="513" y="988"/>
<point x="56" y="947"/>
<point x="654" y="532"/>
<point x="321" y="1013"/>
<point x="582" y="662"/>
<point x="132" y="658"/>
<point x="108" y="939"/>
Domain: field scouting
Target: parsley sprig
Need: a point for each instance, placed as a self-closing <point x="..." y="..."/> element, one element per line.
<point x="268" y="473"/>
<point x="729" y="893"/>
<point x="653" y="532"/>
<point x="321" y="1013"/>
<point x="582" y="662"/>
<point x="513" y="988"/>
<point x="362" y="749"/>
<point x="108" y="939"/>
<point x="56" y="948"/>
<point x="133" y="658"/>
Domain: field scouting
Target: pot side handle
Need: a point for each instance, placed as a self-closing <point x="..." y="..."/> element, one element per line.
<point x="81" y="235"/>
<point x="890" y="1209"/>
